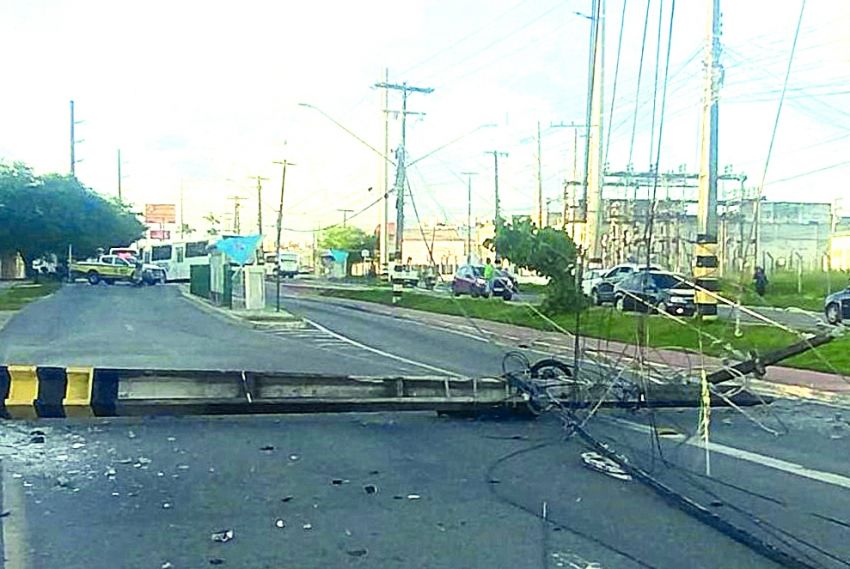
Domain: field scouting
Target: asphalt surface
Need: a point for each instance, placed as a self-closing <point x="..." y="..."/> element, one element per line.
<point x="449" y="492"/>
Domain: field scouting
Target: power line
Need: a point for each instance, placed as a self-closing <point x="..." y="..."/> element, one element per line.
<point x="754" y="236"/>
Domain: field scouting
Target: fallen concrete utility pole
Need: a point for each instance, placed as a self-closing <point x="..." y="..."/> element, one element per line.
<point x="31" y="391"/>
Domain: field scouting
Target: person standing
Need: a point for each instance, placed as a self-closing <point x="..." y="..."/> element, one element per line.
<point x="489" y="272"/>
<point x="760" y="280"/>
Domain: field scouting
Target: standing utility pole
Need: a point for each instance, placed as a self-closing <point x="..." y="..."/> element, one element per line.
<point x="237" y="228"/>
<point x="279" y="228"/>
<point x="469" y="176"/>
<point x="74" y="142"/>
<point x="496" y="155"/>
<point x="260" y="209"/>
<point x="593" y="174"/>
<point x="705" y="250"/>
<point x="385" y="214"/>
<point x="345" y="213"/>
<point x="539" y="180"/>
<point x="401" y="155"/>
<point x="182" y="218"/>
<point x="571" y="198"/>
<point x="120" y="195"/>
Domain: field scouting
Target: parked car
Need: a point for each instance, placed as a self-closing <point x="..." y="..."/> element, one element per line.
<point x="469" y="279"/>
<point x="836" y="307"/>
<point x="661" y="291"/>
<point x="599" y="284"/>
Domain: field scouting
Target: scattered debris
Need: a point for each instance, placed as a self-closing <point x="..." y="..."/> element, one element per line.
<point x="76" y="446"/>
<point x="494" y="481"/>
<point x="348" y="532"/>
<point x="293" y="457"/>
<point x="166" y="505"/>
<point x="160" y="474"/>
<point x="307" y="526"/>
<point x="374" y="472"/>
<point x="358" y="552"/>
<point x="605" y="465"/>
<point x="116" y="494"/>
<point x="110" y="472"/>
<point x="715" y="503"/>
<point x="267" y="448"/>
<point x="131" y="435"/>
<point x="63" y="481"/>
<point x="5" y="513"/>
<point x="212" y="470"/>
<point x="413" y="496"/>
<point x="222" y="536"/>
<point x="280" y="524"/>
<point x="397" y="497"/>
<point x="287" y="498"/>
<point x="339" y="481"/>
<point x="144" y="460"/>
<point x="171" y="439"/>
<point x="216" y="561"/>
<point x="36" y="432"/>
<point x="182" y="467"/>
<point x="167" y="565"/>
<point x="370" y="489"/>
<point x="667" y="432"/>
<point x="125" y="461"/>
<point x="37" y="439"/>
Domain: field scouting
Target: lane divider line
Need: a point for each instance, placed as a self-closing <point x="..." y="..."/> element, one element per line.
<point x="749" y="456"/>
<point x="381" y="352"/>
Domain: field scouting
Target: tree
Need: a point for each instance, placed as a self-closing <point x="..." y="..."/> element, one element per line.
<point x="43" y="215"/>
<point x="548" y="251"/>
<point x="348" y="238"/>
<point x="186" y="229"/>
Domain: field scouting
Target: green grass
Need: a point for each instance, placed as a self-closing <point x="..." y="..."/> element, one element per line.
<point x="18" y="295"/>
<point x="615" y="326"/>
<point x="532" y="288"/>
<point x="782" y="289"/>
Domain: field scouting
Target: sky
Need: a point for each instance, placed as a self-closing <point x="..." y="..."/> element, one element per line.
<point x="205" y="95"/>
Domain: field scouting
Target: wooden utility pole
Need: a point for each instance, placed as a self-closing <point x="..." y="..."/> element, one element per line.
<point x="385" y="214"/>
<point x="237" y="228"/>
<point x="496" y="154"/>
<point x="705" y="250"/>
<point x="279" y="228"/>
<point x="345" y="213"/>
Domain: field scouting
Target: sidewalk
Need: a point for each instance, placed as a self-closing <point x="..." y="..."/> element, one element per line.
<point x="801" y="383"/>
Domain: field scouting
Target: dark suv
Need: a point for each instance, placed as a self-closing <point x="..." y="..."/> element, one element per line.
<point x="655" y="290"/>
<point x="837" y="306"/>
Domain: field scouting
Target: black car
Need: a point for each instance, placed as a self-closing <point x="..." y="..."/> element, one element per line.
<point x="655" y="290"/>
<point x="837" y="306"/>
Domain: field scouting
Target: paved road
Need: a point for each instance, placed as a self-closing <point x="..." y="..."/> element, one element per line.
<point x="450" y="493"/>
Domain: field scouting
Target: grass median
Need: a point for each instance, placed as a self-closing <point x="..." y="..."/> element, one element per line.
<point x="786" y="289"/>
<point x="718" y="336"/>
<point x="17" y="296"/>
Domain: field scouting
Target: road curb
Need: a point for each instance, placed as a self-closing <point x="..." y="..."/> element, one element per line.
<point x="259" y="321"/>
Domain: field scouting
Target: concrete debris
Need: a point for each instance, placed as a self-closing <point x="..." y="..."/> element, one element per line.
<point x="222" y="536"/>
<point x="596" y="461"/>
<point x="171" y="439"/>
<point x="267" y="448"/>
<point x="36" y="432"/>
<point x="144" y="460"/>
<point x="358" y="552"/>
<point x="370" y="489"/>
<point x="125" y="461"/>
<point x="110" y="472"/>
<point x="182" y="467"/>
<point x="494" y="481"/>
<point x="339" y="481"/>
<point x="413" y="496"/>
<point x="131" y="435"/>
<point x="287" y="498"/>
<point x="216" y="561"/>
<point x="167" y="565"/>
<point x="293" y="457"/>
<point x="307" y="526"/>
<point x="573" y="561"/>
<point x="63" y="481"/>
<point x="166" y="505"/>
<point x="280" y="524"/>
<point x="76" y="446"/>
<point x="116" y="494"/>
<point x="37" y="439"/>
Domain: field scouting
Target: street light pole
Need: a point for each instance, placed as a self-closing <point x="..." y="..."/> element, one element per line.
<point x="279" y="228"/>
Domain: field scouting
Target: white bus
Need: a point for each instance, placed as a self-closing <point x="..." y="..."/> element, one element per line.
<point x="177" y="257"/>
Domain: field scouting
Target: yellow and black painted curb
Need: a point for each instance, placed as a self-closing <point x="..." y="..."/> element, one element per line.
<point x="29" y="392"/>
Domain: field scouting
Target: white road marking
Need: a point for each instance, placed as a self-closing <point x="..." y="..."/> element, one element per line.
<point x="381" y="352"/>
<point x="754" y="457"/>
<point x="15" y="549"/>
